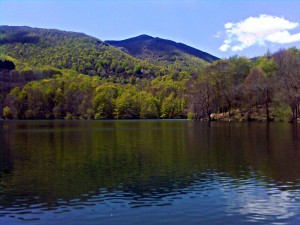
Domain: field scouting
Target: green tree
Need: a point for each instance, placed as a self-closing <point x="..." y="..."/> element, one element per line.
<point x="7" y="113"/>
<point x="288" y="78"/>
<point x="127" y="106"/>
<point x="104" y="101"/>
<point x="172" y="107"/>
<point x="148" y="106"/>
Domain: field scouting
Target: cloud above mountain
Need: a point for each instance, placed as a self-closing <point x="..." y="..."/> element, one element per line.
<point x="258" y="31"/>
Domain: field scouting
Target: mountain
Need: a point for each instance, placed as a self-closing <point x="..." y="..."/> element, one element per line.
<point x="142" y="56"/>
<point x="35" y="48"/>
<point x="164" y="52"/>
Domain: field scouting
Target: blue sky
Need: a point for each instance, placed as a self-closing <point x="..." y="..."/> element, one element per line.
<point x="220" y="27"/>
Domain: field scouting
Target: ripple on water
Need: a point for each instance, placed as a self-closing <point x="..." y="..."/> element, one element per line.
<point x="257" y="203"/>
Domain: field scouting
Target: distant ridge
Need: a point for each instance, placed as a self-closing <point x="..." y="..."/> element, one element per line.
<point x="148" y="47"/>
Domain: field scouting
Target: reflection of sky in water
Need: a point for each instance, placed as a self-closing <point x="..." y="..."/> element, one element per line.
<point x="261" y="201"/>
<point x="211" y="199"/>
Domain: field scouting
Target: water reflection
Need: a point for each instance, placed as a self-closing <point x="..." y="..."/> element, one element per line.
<point x="65" y="171"/>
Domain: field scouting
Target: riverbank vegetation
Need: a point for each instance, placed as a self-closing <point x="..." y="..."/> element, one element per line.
<point x="266" y="88"/>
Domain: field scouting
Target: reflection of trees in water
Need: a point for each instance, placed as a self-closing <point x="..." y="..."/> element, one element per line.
<point x="5" y="157"/>
<point x="68" y="160"/>
<point x="273" y="151"/>
<point x="295" y="145"/>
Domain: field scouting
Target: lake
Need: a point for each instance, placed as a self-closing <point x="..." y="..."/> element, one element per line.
<point x="149" y="172"/>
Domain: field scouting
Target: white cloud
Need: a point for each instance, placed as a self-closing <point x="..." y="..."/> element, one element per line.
<point x="283" y="37"/>
<point x="258" y="31"/>
<point x="228" y="25"/>
<point x="224" y="47"/>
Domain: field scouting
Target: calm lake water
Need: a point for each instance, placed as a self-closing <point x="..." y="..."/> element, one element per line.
<point x="149" y="172"/>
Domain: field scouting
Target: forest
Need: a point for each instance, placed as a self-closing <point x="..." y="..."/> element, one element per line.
<point x="50" y="74"/>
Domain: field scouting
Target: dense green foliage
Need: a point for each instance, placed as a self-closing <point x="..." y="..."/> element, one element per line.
<point x="33" y="47"/>
<point x="72" y="96"/>
<point x="56" y="74"/>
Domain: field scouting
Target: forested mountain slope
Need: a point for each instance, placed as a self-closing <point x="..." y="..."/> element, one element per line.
<point x="159" y="51"/>
<point x="36" y="47"/>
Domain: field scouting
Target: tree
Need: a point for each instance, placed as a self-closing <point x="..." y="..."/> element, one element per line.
<point x="263" y="85"/>
<point x="220" y="73"/>
<point x="7" y="113"/>
<point x="288" y="76"/>
<point x="58" y="109"/>
<point x="256" y="91"/>
<point x="172" y="107"/>
<point x="127" y="106"/>
<point x="104" y="101"/>
<point x="241" y="68"/>
<point x="148" y="106"/>
<point x="202" y="98"/>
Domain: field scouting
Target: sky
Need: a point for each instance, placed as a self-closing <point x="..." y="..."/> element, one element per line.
<point x="220" y="27"/>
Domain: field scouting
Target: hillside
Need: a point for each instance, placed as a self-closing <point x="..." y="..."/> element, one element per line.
<point x="44" y="72"/>
<point x="35" y="47"/>
<point x="160" y="52"/>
